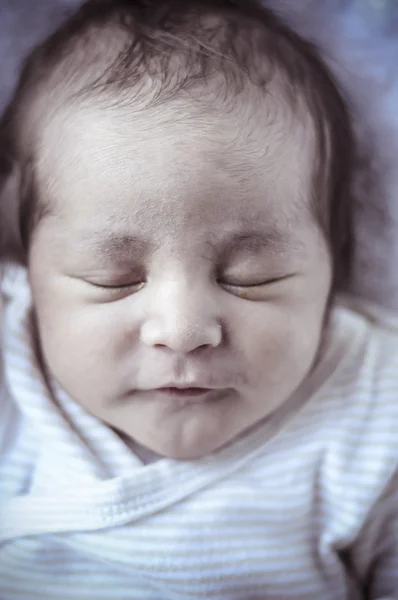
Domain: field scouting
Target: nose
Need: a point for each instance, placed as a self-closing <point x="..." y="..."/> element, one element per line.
<point x="182" y="320"/>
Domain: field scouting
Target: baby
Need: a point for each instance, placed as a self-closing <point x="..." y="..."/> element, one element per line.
<point x="190" y="407"/>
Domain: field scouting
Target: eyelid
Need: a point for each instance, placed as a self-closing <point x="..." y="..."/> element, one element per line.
<point x="260" y="284"/>
<point x="116" y="287"/>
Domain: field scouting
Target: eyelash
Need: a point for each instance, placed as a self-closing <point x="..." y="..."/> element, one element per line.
<point x="118" y="288"/>
<point x="253" y="285"/>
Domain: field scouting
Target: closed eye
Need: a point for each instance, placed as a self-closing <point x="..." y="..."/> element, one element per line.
<point x="117" y="287"/>
<point x="255" y="284"/>
<point x="114" y="286"/>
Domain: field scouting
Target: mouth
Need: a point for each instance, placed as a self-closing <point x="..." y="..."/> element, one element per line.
<point x="178" y="398"/>
<point x="192" y="392"/>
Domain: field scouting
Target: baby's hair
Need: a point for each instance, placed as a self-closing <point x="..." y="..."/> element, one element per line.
<point x="148" y="52"/>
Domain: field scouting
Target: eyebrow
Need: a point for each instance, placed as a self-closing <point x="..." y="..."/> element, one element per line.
<point x="254" y="243"/>
<point x="116" y="243"/>
<point x="249" y="242"/>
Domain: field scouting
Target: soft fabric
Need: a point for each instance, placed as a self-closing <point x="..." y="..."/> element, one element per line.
<point x="304" y="506"/>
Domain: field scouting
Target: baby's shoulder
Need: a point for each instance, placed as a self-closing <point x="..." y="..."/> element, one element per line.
<point x="365" y="387"/>
<point x="369" y="365"/>
<point x="360" y="405"/>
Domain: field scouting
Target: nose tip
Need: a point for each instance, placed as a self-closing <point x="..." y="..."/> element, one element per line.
<point x="182" y="339"/>
<point x="182" y="316"/>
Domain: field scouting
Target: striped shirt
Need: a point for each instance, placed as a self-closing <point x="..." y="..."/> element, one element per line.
<point x="304" y="506"/>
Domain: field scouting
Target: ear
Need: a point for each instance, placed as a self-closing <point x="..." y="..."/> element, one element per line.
<point x="11" y="247"/>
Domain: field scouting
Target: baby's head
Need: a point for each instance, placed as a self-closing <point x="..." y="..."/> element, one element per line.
<point x="179" y="189"/>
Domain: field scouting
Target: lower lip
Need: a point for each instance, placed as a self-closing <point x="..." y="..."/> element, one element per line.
<point x="176" y="399"/>
<point x="171" y="392"/>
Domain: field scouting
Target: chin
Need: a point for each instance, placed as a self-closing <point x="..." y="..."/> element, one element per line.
<point x="187" y="455"/>
<point x="185" y="452"/>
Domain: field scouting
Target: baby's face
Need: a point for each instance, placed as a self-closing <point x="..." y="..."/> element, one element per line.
<point x="181" y="252"/>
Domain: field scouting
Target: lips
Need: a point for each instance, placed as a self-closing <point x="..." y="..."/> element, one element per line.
<point x="183" y="392"/>
<point x="177" y="398"/>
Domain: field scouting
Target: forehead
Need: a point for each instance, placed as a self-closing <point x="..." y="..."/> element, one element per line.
<point x="175" y="167"/>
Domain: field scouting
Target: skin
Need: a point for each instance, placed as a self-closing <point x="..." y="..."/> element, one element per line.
<point x="186" y="302"/>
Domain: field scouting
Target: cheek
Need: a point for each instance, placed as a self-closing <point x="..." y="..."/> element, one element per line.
<point x="76" y="338"/>
<point x="82" y="349"/>
<point x="279" y="344"/>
